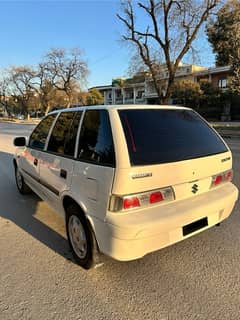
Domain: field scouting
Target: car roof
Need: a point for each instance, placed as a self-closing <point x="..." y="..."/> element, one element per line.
<point x="120" y="107"/>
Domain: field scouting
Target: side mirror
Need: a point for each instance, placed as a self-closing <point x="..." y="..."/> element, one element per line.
<point x="20" y="142"/>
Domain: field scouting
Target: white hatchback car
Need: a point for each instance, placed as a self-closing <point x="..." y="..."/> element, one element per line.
<point x="129" y="180"/>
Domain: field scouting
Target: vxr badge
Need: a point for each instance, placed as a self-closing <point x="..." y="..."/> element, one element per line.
<point x="195" y="188"/>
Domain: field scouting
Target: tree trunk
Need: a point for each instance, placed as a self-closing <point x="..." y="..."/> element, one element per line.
<point x="165" y="100"/>
<point x="167" y="95"/>
<point x="69" y="96"/>
<point x="47" y="109"/>
<point x="6" y="112"/>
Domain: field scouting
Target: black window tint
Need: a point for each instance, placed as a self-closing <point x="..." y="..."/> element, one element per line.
<point x="96" y="143"/>
<point x="39" y="135"/>
<point x="161" y="136"/>
<point x="70" y="142"/>
<point x="63" y="137"/>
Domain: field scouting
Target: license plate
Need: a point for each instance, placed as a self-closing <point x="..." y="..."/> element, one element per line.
<point x="194" y="226"/>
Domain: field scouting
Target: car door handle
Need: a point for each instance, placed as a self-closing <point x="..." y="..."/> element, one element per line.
<point x="35" y="161"/>
<point x="63" y="174"/>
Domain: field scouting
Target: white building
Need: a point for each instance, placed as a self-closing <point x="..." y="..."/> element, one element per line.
<point x="140" y="89"/>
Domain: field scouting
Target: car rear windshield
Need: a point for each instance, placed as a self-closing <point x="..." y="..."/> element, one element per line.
<point x="161" y="135"/>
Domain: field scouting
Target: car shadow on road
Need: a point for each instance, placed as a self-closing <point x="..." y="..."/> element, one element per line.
<point x="23" y="211"/>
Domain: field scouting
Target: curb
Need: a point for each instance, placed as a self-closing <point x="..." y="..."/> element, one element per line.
<point x="20" y="122"/>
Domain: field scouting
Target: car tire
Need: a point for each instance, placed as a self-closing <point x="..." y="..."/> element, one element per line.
<point x="81" y="238"/>
<point x="23" y="188"/>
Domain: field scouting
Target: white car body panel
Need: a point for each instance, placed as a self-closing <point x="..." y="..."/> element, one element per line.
<point x="52" y="184"/>
<point x="91" y="187"/>
<point x="29" y="170"/>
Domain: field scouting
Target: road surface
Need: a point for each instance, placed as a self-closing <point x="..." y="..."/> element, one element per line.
<point x="198" y="278"/>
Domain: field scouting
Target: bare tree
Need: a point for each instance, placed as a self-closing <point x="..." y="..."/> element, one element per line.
<point x="5" y="94"/>
<point x="169" y="33"/>
<point x="45" y="88"/>
<point x="54" y="82"/>
<point x="66" y="68"/>
<point x="22" y="85"/>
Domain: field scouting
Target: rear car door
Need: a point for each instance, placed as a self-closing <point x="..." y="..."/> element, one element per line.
<point x="56" y="162"/>
<point x="95" y="166"/>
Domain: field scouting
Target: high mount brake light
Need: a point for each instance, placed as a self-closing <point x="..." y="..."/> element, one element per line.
<point x="140" y="200"/>
<point x="221" y="178"/>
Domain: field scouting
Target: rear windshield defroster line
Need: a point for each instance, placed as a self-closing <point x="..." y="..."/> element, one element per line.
<point x="134" y="149"/>
<point x="156" y="136"/>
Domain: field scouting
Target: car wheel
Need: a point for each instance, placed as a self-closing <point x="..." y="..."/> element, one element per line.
<point x="23" y="188"/>
<point x="81" y="238"/>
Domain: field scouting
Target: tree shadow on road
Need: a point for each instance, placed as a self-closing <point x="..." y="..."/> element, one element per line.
<point x="22" y="210"/>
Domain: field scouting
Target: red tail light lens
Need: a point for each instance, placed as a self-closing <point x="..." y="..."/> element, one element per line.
<point x="155" y="197"/>
<point x="217" y="180"/>
<point x="222" y="177"/>
<point x="129" y="203"/>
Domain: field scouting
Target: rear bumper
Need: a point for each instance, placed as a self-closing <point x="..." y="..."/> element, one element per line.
<point x="132" y="235"/>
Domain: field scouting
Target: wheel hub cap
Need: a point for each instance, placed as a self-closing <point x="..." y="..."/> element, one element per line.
<point x="77" y="236"/>
<point x="19" y="179"/>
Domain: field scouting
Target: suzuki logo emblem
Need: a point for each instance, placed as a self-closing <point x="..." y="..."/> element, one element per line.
<point x="195" y="188"/>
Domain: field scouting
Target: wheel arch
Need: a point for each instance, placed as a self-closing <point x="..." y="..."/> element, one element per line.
<point x="67" y="200"/>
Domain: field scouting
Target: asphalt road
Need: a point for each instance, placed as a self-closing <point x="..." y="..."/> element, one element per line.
<point x="198" y="278"/>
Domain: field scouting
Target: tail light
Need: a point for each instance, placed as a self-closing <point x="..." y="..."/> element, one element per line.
<point x="156" y="197"/>
<point x="221" y="178"/>
<point x="140" y="200"/>
<point x="131" y="202"/>
<point x="229" y="175"/>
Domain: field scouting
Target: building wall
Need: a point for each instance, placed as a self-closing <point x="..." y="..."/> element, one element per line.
<point x="140" y="90"/>
<point x="218" y="76"/>
<point x="220" y="80"/>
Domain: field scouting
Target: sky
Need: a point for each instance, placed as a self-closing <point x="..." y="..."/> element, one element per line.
<point x="28" y="29"/>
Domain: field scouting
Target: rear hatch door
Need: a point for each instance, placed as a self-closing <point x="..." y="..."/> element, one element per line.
<point x="171" y="147"/>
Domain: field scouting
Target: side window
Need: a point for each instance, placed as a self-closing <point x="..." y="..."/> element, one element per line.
<point x="64" y="133"/>
<point x="96" y="143"/>
<point x="39" y="135"/>
<point x="70" y="142"/>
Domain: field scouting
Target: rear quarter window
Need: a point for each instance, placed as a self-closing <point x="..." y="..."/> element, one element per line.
<point x="157" y="136"/>
<point x="96" y="142"/>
